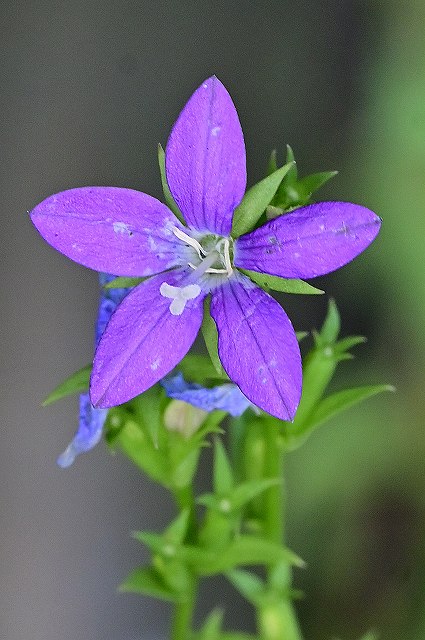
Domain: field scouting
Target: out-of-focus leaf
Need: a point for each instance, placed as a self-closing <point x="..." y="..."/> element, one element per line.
<point x="286" y="285"/>
<point x="341" y="400"/>
<point x="255" y="201"/>
<point x="248" y="584"/>
<point x="239" y="496"/>
<point x="244" y="550"/>
<point x="169" y="200"/>
<point x="222" y="475"/>
<point x="148" y="581"/>
<point x="78" y="382"/>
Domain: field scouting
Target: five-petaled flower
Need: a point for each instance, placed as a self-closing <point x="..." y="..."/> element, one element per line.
<point x="129" y="233"/>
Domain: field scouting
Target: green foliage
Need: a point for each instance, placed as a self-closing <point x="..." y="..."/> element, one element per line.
<point x="285" y="285"/>
<point x="149" y="582"/>
<point x="294" y="192"/>
<point x="169" y="200"/>
<point x="255" y="201"/>
<point x="78" y="382"/>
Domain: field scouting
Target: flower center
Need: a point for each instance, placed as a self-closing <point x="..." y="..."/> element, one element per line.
<point x="211" y="255"/>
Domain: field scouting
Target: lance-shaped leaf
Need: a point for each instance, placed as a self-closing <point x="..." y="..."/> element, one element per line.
<point x="248" y="584"/>
<point x="76" y="383"/>
<point x="256" y="200"/>
<point x="149" y="582"/>
<point x="340" y="401"/>
<point x="169" y="200"/>
<point x="223" y="481"/>
<point x="331" y="326"/>
<point x="286" y="285"/>
<point x="244" y="550"/>
<point x="309" y="184"/>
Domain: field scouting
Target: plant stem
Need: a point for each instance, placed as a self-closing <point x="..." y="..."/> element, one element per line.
<point x="277" y="621"/>
<point x="183" y="614"/>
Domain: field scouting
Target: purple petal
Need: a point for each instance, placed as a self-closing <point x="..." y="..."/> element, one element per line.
<point x="121" y="231"/>
<point x="88" y="434"/>
<point x="143" y="341"/>
<point x="224" y="397"/>
<point x="308" y="242"/>
<point x="258" y="347"/>
<point x="205" y="159"/>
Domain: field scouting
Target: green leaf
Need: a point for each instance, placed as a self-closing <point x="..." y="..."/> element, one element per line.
<point x="123" y="282"/>
<point x="212" y="626"/>
<point x="248" y="584"/>
<point x="239" y="496"/>
<point x="209" y="331"/>
<point x="148" y="581"/>
<point x="176" y="531"/>
<point x="341" y="400"/>
<point x="314" y="181"/>
<point x="255" y="201"/>
<point x="244" y="550"/>
<point x="169" y="200"/>
<point x="148" y="407"/>
<point x="223" y="475"/>
<point x="286" y="285"/>
<point x="293" y="172"/>
<point x="331" y="326"/>
<point x="77" y="383"/>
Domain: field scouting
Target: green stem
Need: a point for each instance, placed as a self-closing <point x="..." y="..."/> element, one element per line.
<point x="183" y="614"/>
<point x="278" y="620"/>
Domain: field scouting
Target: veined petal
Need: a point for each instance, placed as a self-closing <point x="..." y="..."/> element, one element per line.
<point x="225" y="397"/>
<point x="88" y="434"/>
<point x="143" y="341"/>
<point x="308" y="242"/>
<point x="205" y="159"/>
<point x="120" y="231"/>
<point x="257" y="346"/>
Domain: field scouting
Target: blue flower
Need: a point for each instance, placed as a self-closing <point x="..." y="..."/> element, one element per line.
<point x="225" y="397"/>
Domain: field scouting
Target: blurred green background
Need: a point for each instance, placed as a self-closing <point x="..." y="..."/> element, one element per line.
<point x="87" y="89"/>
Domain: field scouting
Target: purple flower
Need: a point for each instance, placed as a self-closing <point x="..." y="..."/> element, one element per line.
<point x="132" y="234"/>
<point x="225" y="397"/>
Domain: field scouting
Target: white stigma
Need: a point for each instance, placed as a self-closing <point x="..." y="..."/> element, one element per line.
<point x="213" y="254"/>
<point x="179" y="296"/>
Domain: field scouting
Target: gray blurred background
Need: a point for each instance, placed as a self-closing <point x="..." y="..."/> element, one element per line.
<point x="87" y="90"/>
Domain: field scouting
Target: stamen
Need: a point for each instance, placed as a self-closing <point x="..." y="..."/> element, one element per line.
<point x="181" y="235"/>
<point x="179" y="296"/>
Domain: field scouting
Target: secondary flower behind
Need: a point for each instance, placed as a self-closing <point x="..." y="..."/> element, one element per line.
<point x="129" y="233"/>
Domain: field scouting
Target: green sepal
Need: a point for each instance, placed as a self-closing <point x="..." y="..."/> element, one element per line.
<point x="286" y="285"/>
<point x="309" y="184"/>
<point x="169" y="200"/>
<point x="255" y="201"/>
<point x="122" y="282"/>
<point x="293" y="192"/>
<point x="149" y="582"/>
<point x="272" y="163"/>
<point x="148" y="408"/>
<point x="211" y="629"/>
<point x="210" y="334"/>
<point x="78" y="382"/>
